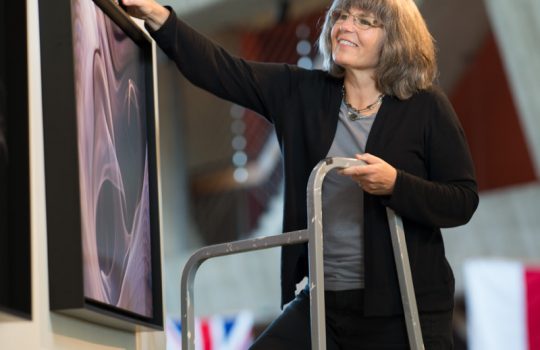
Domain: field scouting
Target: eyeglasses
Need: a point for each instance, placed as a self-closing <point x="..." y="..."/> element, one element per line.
<point x="361" y="22"/>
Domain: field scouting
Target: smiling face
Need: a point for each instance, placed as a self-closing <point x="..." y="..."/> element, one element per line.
<point x="355" y="44"/>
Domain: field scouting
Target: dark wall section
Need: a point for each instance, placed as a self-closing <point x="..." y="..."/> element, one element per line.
<point x="14" y="176"/>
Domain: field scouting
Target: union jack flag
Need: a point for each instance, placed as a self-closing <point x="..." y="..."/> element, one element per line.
<point x="214" y="332"/>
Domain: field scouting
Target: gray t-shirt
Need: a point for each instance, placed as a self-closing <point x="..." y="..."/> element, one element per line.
<point x="343" y="209"/>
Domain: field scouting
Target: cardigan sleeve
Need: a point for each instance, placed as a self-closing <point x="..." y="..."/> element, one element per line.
<point x="448" y="197"/>
<point x="261" y="87"/>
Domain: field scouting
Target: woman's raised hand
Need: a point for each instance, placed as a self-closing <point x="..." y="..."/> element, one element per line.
<point x="150" y="11"/>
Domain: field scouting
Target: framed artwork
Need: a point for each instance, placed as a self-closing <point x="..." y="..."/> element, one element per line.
<point x="15" y="270"/>
<point x="100" y="163"/>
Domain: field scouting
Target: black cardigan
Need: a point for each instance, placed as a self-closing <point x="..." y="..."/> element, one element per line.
<point x="420" y="136"/>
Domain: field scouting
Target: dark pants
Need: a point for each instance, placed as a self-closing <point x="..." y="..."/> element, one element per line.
<point x="348" y="328"/>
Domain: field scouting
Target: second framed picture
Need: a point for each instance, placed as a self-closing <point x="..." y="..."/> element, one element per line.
<point x="101" y="169"/>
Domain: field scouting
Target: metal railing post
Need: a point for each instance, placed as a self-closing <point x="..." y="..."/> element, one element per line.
<point x="213" y="251"/>
<point x="406" y="288"/>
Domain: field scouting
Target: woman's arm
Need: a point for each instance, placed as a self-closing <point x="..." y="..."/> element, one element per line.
<point x="262" y="87"/>
<point x="449" y="196"/>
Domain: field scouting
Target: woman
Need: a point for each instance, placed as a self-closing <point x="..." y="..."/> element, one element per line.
<point x="375" y="100"/>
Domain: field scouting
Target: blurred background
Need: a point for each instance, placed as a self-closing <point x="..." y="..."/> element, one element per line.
<point x="222" y="170"/>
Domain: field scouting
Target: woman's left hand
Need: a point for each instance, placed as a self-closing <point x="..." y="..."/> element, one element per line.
<point x="377" y="177"/>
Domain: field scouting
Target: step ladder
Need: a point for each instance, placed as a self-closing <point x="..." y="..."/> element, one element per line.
<point x="313" y="235"/>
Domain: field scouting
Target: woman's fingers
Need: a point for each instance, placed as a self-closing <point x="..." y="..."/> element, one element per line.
<point x="369" y="158"/>
<point x="356" y="170"/>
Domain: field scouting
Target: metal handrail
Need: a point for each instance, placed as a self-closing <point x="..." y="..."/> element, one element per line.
<point x="314" y="236"/>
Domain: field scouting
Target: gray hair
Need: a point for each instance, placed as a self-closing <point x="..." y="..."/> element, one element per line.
<point x="407" y="61"/>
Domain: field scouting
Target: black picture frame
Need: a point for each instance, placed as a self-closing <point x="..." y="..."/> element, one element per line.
<point x="66" y="255"/>
<point x="15" y="245"/>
